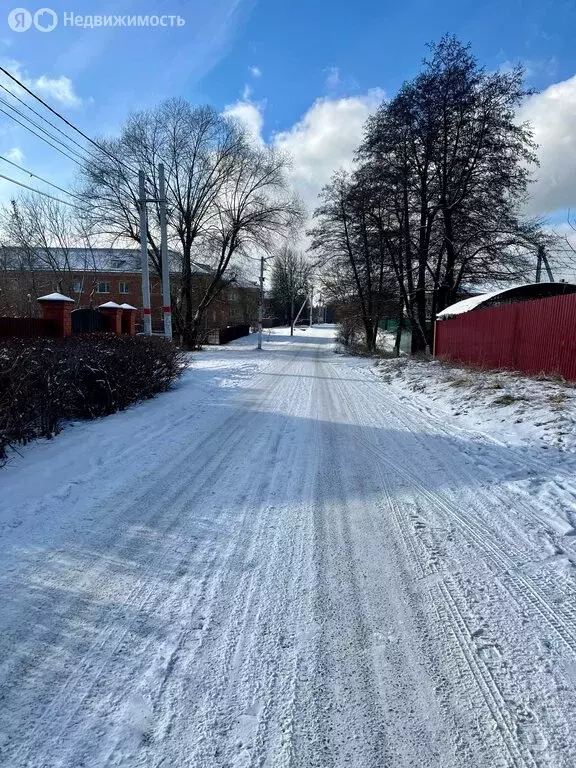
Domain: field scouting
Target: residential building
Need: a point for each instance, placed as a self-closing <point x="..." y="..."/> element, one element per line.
<point x="95" y="276"/>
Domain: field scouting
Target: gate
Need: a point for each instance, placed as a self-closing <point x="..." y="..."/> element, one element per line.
<point x="88" y="321"/>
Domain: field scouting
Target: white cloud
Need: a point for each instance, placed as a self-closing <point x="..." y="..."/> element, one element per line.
<point x="255" y="71"/>
<point x="552" y="114"/>
<point x="533" y="67"/>
<point x="327" y="135"/>
<point x="250" y="115"/>
<point x="325" y="139"/>
<point x="16" y="155"/>
<point x="246" y="93"/>
<point x="60" y="89"/>
<point x="322" y="141"/>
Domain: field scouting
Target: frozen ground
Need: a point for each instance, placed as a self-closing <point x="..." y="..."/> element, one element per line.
<point x="288" y="561"/>
<point x="512" y="408"/>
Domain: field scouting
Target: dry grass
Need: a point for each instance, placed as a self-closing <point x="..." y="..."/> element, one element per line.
<point x="459" y="381"/>
<point x="507" y="399"/>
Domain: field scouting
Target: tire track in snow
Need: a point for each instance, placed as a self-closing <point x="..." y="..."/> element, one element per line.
<point x="444" y="596"/>
<point x="479" y="535"/>
<point x="252" y="616"/>
<point x="160" y="498"/>
<point x="88" y="670"/>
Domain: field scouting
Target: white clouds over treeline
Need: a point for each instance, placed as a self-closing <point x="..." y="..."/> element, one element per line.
<point x="323" y="140"/>
<point x="327" y="135"/>
<point x="552" y="114"/>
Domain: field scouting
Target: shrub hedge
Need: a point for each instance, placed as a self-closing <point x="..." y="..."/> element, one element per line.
<point x="44" y="382"/>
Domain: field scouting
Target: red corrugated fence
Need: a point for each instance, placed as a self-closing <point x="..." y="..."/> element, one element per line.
<point x="530" y="336"/>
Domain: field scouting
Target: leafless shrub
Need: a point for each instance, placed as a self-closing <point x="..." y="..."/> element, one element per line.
<point x="45" y="382"/>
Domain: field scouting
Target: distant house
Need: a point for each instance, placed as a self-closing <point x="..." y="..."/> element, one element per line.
<point x="95" y="276"/>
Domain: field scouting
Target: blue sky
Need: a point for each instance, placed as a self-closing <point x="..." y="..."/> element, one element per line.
<point x="293" y="42"/>
<point x="302" y="73"/>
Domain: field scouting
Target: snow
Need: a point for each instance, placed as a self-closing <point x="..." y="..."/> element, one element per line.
<point x="110" y="305"/>
<point x="510" y="408"/>
<point x="292" y="559"/>
<point x="127" y="306"/>
<point x="466" y="305"/>
<point x="55" y="297"/>
<point x="474" y="302"/>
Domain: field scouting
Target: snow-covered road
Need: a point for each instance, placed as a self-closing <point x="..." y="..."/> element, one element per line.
<point x="284" y="562"/>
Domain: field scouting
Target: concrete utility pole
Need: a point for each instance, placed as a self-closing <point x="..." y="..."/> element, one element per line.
<point x="146" y="310"/>
<point x="311" y="305"/>
<point x="261" y="307"/>
<point x="166" y="299"/>
<point x="306" y="300"/>
<point x="543" y="261"/>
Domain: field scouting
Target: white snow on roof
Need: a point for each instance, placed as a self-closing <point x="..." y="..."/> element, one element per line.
<point x="476" y="301"/>
<point x="127" y="306"/>
<point x="55" y="297"/>
<point x="468" y="304"/>
<point x="110" y="305"/>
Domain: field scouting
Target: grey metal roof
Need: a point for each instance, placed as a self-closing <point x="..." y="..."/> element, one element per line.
<point x="81" y="259"/>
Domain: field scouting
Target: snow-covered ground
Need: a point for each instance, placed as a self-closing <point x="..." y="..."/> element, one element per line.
<point x="289" y="560"/>
<point x="512" y="408"/>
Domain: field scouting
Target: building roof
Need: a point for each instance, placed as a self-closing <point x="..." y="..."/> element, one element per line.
<point x="526" y="292"/>
<point x="83" y="259"/>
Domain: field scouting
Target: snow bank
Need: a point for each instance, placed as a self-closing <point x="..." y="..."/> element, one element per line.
<point x="508" y="407"/>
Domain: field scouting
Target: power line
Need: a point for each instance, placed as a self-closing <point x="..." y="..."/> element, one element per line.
<point x="40" y="137"/>
<point x="68" y="123"/>
<point x="48" y="122"/>
<point x="41" y="129"/>
<point x="93" y="203"/>
<point x="38" y="192"/>
<point x="35" y="175"/>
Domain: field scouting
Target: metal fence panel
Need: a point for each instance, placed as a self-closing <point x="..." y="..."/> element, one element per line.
<point x="531" y="336"/>
<point x="26" y="328"/>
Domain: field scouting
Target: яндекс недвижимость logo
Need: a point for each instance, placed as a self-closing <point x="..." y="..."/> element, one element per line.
<point x="21" y="19"/>
<point x="46" y="19"/>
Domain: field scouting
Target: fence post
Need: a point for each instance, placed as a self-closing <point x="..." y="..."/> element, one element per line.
<point x="113" y="312"/>
<point x="58" y="309"/>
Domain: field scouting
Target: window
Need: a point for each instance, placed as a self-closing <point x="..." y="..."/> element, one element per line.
<point x="103" y="287"/>
<point x="124" y="287"/>
<point x="77" y="286"/>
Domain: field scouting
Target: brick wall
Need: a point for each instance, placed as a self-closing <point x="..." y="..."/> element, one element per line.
<point x="234" y="305"/>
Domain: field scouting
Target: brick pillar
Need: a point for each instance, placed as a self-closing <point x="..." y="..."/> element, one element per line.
<point x="113" y="313"/>
<point x="129" y="319"/>
<point x="58" y="309"/>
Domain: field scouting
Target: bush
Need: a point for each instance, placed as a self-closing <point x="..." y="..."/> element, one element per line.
<point x="44" y="382"/>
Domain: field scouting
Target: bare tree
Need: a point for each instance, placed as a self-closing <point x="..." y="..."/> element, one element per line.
<point x="222" y="196"/>
<point x="40" y="234"/>
<point x="346" y="239"/>
<point x="291" y="275"/>
<point x="437" y="198"/>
